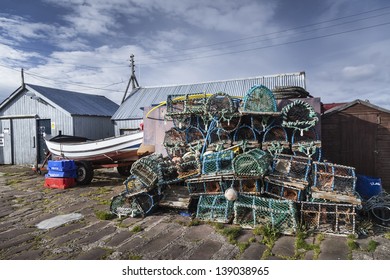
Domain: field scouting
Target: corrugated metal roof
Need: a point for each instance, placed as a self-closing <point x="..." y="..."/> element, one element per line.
<point x="77" y="103"/>
<point x="147" y="96"/>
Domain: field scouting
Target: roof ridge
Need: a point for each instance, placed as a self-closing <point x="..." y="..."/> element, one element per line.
<point x="53" y="88"/>
<point x="228" y="80"/>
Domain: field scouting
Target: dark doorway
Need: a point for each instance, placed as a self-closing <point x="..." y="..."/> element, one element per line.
<point x="43" y="127"/>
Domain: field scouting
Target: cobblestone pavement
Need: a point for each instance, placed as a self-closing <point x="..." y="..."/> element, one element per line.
<point x="166" y="234"/>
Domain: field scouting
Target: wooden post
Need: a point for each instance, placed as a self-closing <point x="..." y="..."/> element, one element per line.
<point x="22" y="74"/>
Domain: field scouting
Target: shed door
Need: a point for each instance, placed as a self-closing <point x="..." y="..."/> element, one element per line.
<point x="358" y="143"/>
<point x="43" y="126"/>
<point x="6" y="144"/>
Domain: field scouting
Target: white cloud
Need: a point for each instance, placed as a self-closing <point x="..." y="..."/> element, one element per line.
<point x="100" y="34"/>
<point x="20" y="29"/>
<point x="13" y="57"/>
<point x="359" y="72"/>
<point x="97" y="17"/>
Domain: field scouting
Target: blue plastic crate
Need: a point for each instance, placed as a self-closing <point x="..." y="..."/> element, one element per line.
<point x="62" y="174"/>
<point x="61" y="165"/>
<point x="368" y="186"/>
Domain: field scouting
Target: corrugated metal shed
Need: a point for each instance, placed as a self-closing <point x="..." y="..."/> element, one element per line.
<point x="77" y="103"/>
<point x="32" y="111"/>
<point x="147" y="96"/>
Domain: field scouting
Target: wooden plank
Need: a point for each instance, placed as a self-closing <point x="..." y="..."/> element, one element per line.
<point x="221" y="177"/>
<point x="336" y="197"/>
<point x="175" y="196"/>
<point x="285" y="182"/>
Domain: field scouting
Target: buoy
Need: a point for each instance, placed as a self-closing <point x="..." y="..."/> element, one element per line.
<point x="231" y="194"/>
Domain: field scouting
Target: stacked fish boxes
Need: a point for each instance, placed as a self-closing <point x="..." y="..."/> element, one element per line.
<point x="62" y="174"/>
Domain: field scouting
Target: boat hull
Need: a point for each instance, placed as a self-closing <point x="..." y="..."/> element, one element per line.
<point x="109" y="150"/>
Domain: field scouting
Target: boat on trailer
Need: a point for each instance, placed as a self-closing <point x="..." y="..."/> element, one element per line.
<point x="119" y="151"/>
<point x="123" y="147"/>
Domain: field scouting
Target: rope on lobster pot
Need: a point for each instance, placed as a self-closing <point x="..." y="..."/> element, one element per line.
<point x="379" y="207"/>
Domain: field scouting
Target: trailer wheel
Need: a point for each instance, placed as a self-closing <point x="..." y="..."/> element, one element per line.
<point x="124" y="170"/>
<point x="84" y="172"/>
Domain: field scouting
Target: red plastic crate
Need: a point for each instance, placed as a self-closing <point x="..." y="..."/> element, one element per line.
<point x="59" y="183"/>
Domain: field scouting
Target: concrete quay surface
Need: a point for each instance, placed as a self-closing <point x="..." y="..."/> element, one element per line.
<point x="164" y="235"/>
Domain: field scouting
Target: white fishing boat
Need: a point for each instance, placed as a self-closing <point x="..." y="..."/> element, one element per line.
<point x="107" y="150"/>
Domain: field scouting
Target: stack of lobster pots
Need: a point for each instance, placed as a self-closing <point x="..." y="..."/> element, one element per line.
<point x="244" y="161"/>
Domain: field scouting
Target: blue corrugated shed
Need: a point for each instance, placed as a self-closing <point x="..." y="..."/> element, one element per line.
<point x="147" y="96"/>
<point x="77" y="103"/>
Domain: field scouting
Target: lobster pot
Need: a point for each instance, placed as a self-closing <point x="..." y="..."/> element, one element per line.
<point x="262" y="122"/>
<point x="253" y="163"/>
<point x="218" y="139"/>
<point x="189" y="166"/>
<point x="138" y="204"/>
<point x="328" y="217"/>
<point x="176" y="111"/>
<point x="291" y="168"/>
<point x="306" y="144"/>
<point x="134" y="185"/>
<point x="247" y="135"/>
<point x="220" y="106"/>
<point x="181" y="108"/>
<point x="299" y="115"/>
<point x="167" y="172"/>
<point x="218" y="162"/>
<point x="194" y="138"/>
<point x="231" y="124"/>
<point x="259" y="99"/>
<point x="253" y="211"/>
<point x="285" y="190"/>
<point x="275" y="140"/>
<point x="175" y="142"/>
<point x="213" y="185"/>
<point x="334" y="182"/>
<point x="246" y="185"/>
<point x="333" y="178"/>
<point x="198" y="122"/>
<point x="214" y="208"/>
<point x="199" y="187"/>
<point x="146" y="169"/>
<point x="175" y="105"/>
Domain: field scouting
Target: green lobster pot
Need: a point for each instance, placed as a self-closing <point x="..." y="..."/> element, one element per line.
<point x="252" y="211"/>
<point x="214" y="208"/>
<point x="217" y="162"/>
<point x="146" y="169"/>
<point x="252" y="163"/>
<point x="259" y="99"/>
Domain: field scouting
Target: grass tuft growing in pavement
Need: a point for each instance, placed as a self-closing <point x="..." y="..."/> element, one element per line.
<point x="352" y="245"/>
<point x="372" y="245"/>
<point x="317" y="248"/>
<point x="103" y="215"/>
<point x="13" y="182"/>
<point x="136" y="229"/>
<point x="231" y="233"/>
<point x="387" y="235"/>
<point x="301" y="246"/>
<point x="194" y="222"/>
<point x="243" y="246"/>
<point x="270" y="235"/>
<point x="135" y="257"/>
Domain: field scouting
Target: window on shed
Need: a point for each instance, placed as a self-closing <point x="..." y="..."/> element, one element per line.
<point x="126" y="131"/>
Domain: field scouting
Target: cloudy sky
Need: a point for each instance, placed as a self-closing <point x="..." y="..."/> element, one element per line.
<point x="84" y="45"/>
